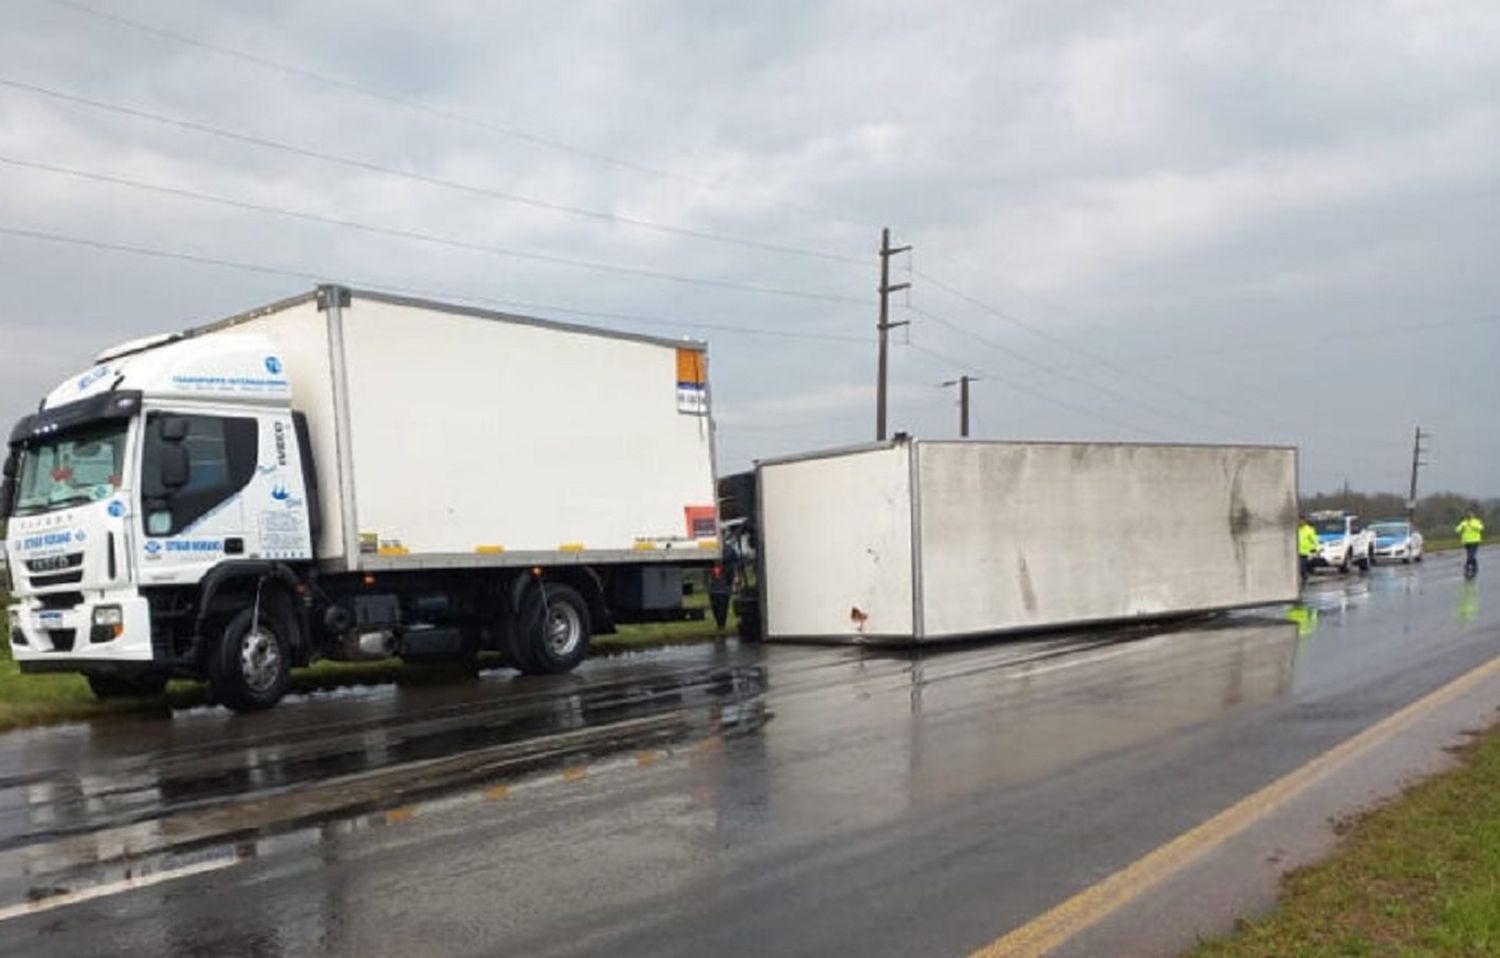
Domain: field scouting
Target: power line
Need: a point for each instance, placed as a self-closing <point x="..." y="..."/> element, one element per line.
<point x="195" y="258"/>
<point x="429" y="180"/>
<point x="1053" y="338"/>
<point x="1361" y="333"/>
<point x="1022" y="358"/>
<point x="1099" y="361"/>
<point x="447" y="115"/>
<point x="1060" y="403"/>
<point x="425" y="237"/>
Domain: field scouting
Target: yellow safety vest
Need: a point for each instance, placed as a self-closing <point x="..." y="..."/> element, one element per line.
<point x="1307" y="540"/>
<point x="1470" y="532"/>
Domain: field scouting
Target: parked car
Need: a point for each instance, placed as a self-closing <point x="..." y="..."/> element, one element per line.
<point x="1396" y="539"/>
<point x="1343" y="540"/>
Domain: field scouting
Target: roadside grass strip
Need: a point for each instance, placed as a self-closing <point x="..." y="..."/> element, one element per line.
<point x="1417" y="877"/>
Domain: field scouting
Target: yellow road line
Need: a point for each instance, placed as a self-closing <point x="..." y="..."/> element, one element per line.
<point x="1052" y="928"/>
<point x="400" y="814"/>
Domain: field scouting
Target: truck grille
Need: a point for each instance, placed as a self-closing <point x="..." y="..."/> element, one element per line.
<point x="59" y="601"/>
<point x="55" y="563"/>
<point x="62" y="578"/>
<point x="51" y="571"/>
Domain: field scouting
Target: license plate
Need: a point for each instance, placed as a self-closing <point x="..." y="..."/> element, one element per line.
<point x="49" y="620"/>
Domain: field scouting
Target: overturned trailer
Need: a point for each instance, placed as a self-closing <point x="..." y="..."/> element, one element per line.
<point x="917" y="541"/>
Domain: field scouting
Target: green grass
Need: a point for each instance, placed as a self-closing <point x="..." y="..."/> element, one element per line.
<point x="1441" y="544"/>
<point x="1418" y="877"/>
<point x="48" y="699"/>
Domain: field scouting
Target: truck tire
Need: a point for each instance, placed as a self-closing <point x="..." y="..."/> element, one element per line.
<point x="554" y="640"/>
<point x="1344" y="565"/>
<point x="1365" y="562"/>
<point x="249" y="669"/>
<point x="118" y="687"/>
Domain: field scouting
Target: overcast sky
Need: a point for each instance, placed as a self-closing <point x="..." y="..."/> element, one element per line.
<point x="1211" y="222"/>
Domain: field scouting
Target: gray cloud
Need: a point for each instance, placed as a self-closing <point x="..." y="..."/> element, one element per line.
<point x="1148" y="184"/>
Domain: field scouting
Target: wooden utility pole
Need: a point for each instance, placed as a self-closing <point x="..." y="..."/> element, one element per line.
<point x="884" y="326"/>
<point x="1417" y="462"/>
<point x="962" y="382"/>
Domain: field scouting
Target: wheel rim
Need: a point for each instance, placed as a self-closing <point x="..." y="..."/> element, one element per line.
<point x="260" y="659"/>
<point x="564" y="629"/>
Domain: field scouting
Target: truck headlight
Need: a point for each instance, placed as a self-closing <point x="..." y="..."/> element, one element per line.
<point x="109" y="623"/>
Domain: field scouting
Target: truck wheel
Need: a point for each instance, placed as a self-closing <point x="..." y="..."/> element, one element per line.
<point x="250" y="668"/>
<point x="554" y="641"/>
<point x="1365" y="562"/>
<point x="1344" y="566"/>
<point x="117" y="687"/>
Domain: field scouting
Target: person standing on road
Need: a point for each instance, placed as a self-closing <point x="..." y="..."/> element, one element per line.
<point x="1307" y="545"/>
<point x="1470" y="533"/>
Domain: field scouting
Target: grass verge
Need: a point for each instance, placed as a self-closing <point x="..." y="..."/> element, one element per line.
<point x="1418" y="877"/>
<point x="27" y="700"/>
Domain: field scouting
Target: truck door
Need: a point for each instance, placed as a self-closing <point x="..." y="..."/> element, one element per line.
<point x="194" y="469"/>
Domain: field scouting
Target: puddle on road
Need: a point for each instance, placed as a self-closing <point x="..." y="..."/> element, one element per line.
<point x="73" y="831"/>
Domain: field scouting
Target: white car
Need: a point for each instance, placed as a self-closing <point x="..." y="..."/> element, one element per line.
<point x="1396" y="539"/>
<point x="1343" y="540"/>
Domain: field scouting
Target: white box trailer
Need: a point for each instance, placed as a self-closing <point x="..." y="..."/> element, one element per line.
<point x="920" y="541"/>
<point x="453" y="437"/>
<point x="351" y="474"/>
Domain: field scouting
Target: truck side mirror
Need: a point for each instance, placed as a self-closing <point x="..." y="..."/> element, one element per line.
<point x="174" y="428"/>
<point x="175" y="470"/>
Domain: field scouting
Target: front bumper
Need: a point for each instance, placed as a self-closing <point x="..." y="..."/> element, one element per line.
<point x="63" y="640"/>
<point x="1395" y="552"/>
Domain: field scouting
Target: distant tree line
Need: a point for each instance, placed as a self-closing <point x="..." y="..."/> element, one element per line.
<point x="1436" y="514"/>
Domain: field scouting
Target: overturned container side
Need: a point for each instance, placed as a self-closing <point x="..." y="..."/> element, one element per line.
<point x="836" y="546"/>
<point x="1031" y="535"/>
<point x="941" y="540"/>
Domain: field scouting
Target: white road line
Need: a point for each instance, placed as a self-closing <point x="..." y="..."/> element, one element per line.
<point x="112" y="888"/>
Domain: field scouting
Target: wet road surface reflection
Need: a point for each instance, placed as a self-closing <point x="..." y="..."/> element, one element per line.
<point x="720" y="798"/>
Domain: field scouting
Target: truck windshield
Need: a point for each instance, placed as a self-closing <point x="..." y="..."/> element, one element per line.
<point x="82" y="466"/>
<point x="1333" y="526"/>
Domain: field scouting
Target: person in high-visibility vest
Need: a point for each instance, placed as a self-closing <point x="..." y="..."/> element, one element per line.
<point x="1307" y="545"/>
<point x="1470" y="533"/>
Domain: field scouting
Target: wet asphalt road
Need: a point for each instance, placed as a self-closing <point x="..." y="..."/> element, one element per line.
<point x="707" y="800"/>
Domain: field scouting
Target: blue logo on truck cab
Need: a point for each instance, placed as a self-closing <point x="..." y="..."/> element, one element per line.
<point x="273" y="365"/>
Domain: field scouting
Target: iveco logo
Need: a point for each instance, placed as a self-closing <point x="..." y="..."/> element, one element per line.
<point x="48" y="563"/>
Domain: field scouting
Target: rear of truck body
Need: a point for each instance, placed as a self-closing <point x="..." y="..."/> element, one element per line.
<point x="350" y="474"/>
<point x="921" y="541"/>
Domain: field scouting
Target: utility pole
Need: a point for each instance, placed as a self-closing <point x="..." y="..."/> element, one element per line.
<point x="962" y="382"/>
<point x="884" y="326"/>
<point x="1417" y="462"/>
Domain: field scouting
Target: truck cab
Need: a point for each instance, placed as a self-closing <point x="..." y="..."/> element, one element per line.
<point x="1343" y="540"/>
<point x="133" y="483"/>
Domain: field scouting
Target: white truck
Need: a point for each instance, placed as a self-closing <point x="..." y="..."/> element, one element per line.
<point x="911" y="541"/>
<point x="1343" y="540"/>
<point x="353" y="475"/>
